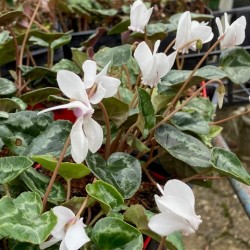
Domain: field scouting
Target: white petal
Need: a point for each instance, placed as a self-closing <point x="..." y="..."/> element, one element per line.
<point x="79" y="143"/>
<point x="49" y="243"/>
<point x="229" y="39"/>
<point x="63" y="245"/>
<point x="167" y="223"/>
<point x="64" y="215"/>
<point x="89" y="69"/>
<point x="162" y="64"/>
<point x="71" y="105"/>
<point x="183" y="30"/>
<point x="171" y="59"/>
<point x="202" y="32"/>
<point x="139" y="17"/>
<point x="98" y="95"/>
<point x="226" y="21"/>
<point x="102" y="73"/>
<point x="144" y="57"/>
<point x="219" y="25"/>
<point x="75" y="236"/>
<point x="178" y="207"/>
<point x="179" y="189"/>
<point x="94" y="134"/>
<point x="239" y="26"/>
<point x="71" y="85"/>
<point x="111" y="85"/>
<point x="156" y="46"/>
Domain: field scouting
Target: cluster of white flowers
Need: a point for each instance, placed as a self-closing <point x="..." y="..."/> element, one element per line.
<point x="176" y="205"/>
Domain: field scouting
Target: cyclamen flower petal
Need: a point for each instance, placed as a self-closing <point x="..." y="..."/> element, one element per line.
<point x="106" y="85"/>
<point x="189" y="30"/>
<point x="139" y="16"/>
<point x="234" y="33"/>
<point x="73" y="238"/>
<point x="81" y="139"/>
<point x="153" y="65"/>
<point x="177" y="210"/>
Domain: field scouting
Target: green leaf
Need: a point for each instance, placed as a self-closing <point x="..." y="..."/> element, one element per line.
<point x="8" y="105"/>
<point x="106" y="194"/>
<point x="121" y="170"/>
<point x="105" y="12"/>
<point x="79" y="57"/>
<point x="67" y="65"/>
<point x="203" y="106"/>
<point x="236" y="62"/>
<point x="192" y="122"/>
<point x="135" y="143"/>
<point x="117" y="110"/>
<point x="115" y="234"/>
<point x="146" y="111"/>
<point x="7" y="87"/>
<point x="21" y="218"/>
<point x="37" y="73"/>
<point x="51" y="141"/>
<point x="39" y="95"/>
<point x="175" y="78"/>
<point x="183" y="146"/>
<point x="119" y="27"/>
<point x="38" y="183"/>
<point x="117" y="56"/>
<point x="9" y="17"/>
<point x="4" y="36"/>
<point x="227" y="163"/>
<point x="11" y="167"/>
<point x="67" y="170"/>
<point x="53" y="40"/>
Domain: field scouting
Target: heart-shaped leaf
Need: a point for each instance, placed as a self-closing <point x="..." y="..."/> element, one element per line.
<point x="67" y="170"/>
<point x="39" y="95"/>
<point x="11" y="167"/>
<point x="106" y="194"/>
<point x="117" y="56"/>
<point x="227" y="163"/>
<point x="175" y="78"/>
<point x="121" y="170"/>
<point x="9" y="17"/>
<point x="22" y="219"/>
<point x="183" y="146"/>
<point x="236" y="62"/>
<point x="38" y="183"/>
<point x="113" y="233"/>
<point x="8" y="105"/>
<point x="191" y="121"/>
<point x="7" y="87"/>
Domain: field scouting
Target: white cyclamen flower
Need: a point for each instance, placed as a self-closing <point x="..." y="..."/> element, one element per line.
<point x="139" y="16"/>
<point x="189" y="30"/>
<point x="234" y="33"/>
<point x="176" y="210"/>
<point x="86" y="134"/>
<point x="72" y="238"/>
<point x="153" y="65"/>
<point x="106" y="86"/>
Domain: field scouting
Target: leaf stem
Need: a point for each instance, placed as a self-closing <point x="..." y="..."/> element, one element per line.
<point x="229" y="118"/>
<point x="169" y="46"/>
<point x="162" y="243"/>
<point x="53" y="177"/>
<point x="125" y="68"/>
<point x="68" y="189"/>
<point x="184" y="103"/>
<point x="24" y="43"/>
<point x="172" y="103"/>
<point x="99" y="215"/>
<point x="108" y="136"/>
<point x="6" y="189"/>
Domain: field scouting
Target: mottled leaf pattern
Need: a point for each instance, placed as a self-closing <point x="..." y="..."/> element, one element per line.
<point x="21" y="218"/>
<point x="121" y="170"/>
